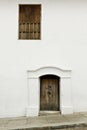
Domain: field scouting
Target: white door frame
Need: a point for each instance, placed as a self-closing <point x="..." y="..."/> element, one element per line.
<point x="33" y="107"/>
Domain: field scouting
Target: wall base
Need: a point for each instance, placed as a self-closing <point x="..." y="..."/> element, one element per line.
<point x="66" y="110"/>
<point x="32" y="111"/>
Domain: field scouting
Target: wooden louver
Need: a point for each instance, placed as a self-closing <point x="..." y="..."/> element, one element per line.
<point x="29" y="21"/>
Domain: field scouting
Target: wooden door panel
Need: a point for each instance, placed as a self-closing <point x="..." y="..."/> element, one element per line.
<point x="49" y="98"/>
<point x="29" y="21"/>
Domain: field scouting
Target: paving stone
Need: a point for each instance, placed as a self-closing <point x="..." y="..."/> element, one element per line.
<point x="51" y="122"/>
<point x="13" y="123"/>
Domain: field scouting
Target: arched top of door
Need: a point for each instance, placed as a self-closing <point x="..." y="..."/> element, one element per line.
<point x="62" y="73"/>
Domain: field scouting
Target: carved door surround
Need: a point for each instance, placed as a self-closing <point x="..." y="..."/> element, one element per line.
<point x="33" y="107"/>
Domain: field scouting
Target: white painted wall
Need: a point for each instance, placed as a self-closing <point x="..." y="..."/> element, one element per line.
<point x="63" y="45"/>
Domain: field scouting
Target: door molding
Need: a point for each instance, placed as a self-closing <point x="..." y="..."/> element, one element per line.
<point x="33" y="78"/>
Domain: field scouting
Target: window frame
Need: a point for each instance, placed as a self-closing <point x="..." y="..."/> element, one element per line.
<point x="19" y="21"/>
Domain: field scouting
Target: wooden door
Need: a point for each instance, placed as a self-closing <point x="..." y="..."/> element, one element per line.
<point x="49" y="93"/>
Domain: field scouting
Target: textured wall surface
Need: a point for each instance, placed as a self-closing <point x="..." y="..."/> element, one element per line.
<point x="63" y="44"/>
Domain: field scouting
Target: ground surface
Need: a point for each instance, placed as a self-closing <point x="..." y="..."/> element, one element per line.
<point x="47" y="122"/>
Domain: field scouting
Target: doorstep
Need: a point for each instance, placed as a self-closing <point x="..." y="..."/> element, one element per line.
<point x="47" y="113"/>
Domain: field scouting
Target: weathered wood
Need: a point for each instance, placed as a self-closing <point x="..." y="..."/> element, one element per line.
<point x="49" y="93"/>
<point x="29" y="21"/>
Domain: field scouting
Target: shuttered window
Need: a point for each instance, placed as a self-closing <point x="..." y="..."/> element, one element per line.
<point x="30" y="22"/>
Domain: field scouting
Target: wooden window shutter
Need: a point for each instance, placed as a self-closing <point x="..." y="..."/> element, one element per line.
<point x="29" y="21"/>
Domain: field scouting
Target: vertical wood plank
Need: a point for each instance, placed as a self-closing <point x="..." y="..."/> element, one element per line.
<point x="49" y="94"/>
<point x="29" y="21"/>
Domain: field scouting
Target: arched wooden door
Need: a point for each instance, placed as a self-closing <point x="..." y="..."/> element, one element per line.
<point x="49" y="93"/>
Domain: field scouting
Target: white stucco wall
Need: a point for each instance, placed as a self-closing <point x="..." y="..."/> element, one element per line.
<point x="63" y="44"/>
